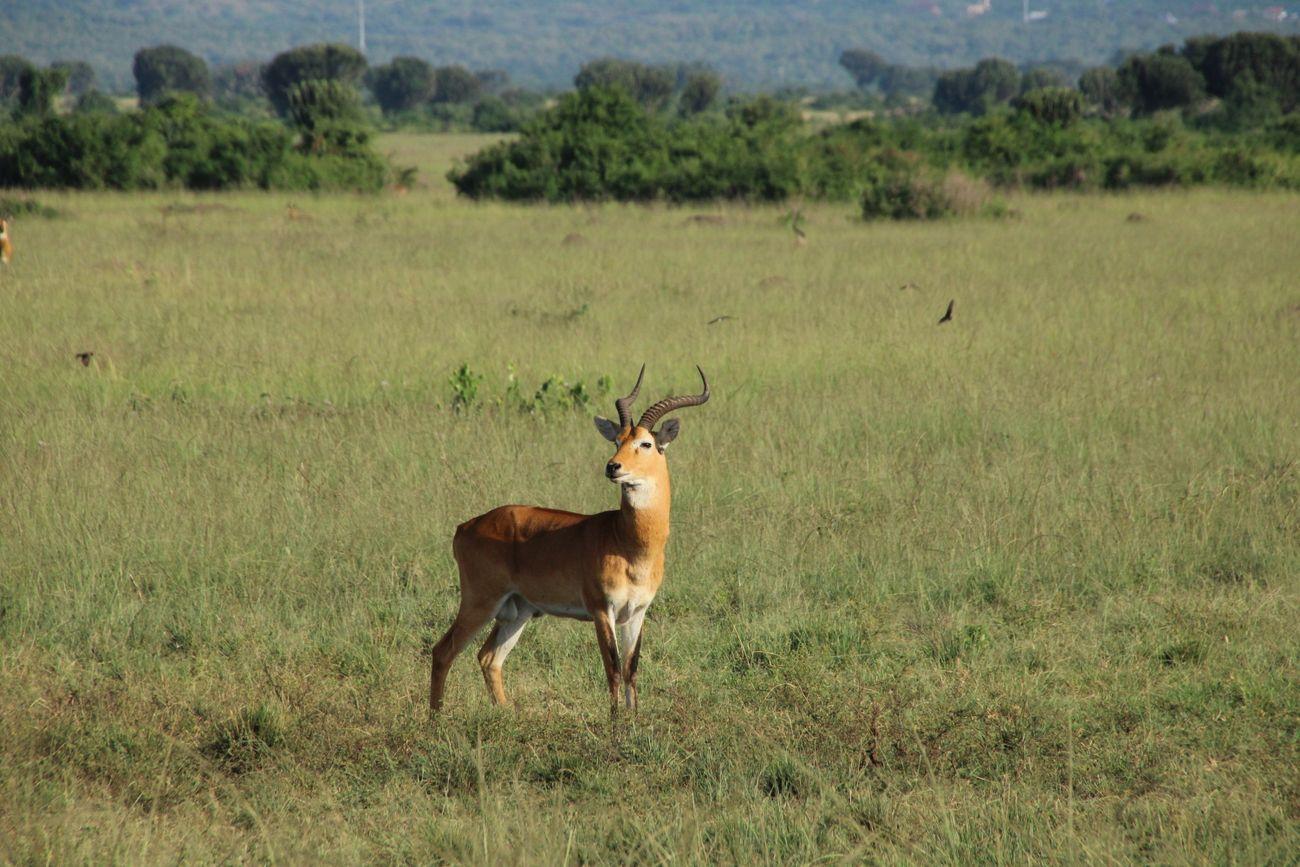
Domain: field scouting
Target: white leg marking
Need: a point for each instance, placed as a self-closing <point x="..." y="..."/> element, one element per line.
<point x="507" y="637"/>
<point x="628" y="634"/>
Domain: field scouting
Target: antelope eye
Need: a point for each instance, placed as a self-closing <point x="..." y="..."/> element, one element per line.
<point x="645" y="445"/>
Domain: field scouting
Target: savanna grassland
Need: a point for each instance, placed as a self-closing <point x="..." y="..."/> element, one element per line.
<point x="1018" y="587"/>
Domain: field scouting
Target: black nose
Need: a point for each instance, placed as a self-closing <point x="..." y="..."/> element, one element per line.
<point x="612" y="468"/>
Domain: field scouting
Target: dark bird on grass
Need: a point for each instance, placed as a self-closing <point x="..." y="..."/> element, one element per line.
<point x="84" y="358"/>
<point x="723" y="318"/>
<point x="947" y="314"/>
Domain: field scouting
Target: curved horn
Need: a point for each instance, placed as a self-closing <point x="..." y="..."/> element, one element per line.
<point x="624" y="404"/>
<point x="668" y="404"/>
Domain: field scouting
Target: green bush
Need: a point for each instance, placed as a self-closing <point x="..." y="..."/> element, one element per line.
<point x="491" y="114"/>
<point x="599" y="143"/>
<point x="95" y="102"/>
<point x="596" y="143"/>
<point x="1057" y="106"/>
<point x="902" y="188"/>
<point x="178" y="142"/>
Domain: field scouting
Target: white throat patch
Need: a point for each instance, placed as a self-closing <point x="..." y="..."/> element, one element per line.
<point x="640" y="494"/>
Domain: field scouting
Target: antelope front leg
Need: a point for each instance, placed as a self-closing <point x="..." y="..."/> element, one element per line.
<point x="608" y="655"/>
<point x="629" y="643"/>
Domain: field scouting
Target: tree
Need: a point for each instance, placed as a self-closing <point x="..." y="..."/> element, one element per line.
<point x="996" y="80"/>
<point x="1154" y="82"/>
<point x="1272" y="61"/>
<point x="168" y="68"/>
<point x="81" y="75"/>
<point x="455" y="84"/>
<point x="992" y="82"/>
<point x="866" y="67"/>
<point x="327" y="113"/>
<point x="652" y="86"/>
<point x="1051" y="106"/>
<point x="1100" y="89"/>
<point x="38" y="88"/>
<point x="402" y="85"/>
<point x="319" y="62"/>
<point x="12" y="67"/>
<point x="699" y="92"/>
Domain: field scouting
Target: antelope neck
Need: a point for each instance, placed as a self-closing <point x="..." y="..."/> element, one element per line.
<point x="643" y="511"/>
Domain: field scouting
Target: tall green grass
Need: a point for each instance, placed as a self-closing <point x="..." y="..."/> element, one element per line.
<point x="1018" y="587"/>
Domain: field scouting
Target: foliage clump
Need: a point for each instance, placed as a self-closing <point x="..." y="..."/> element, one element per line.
<point x="599" y="143"/>
<point x="904" y="189"/>
<point x="167" y="69"/>
<point x="180" y="142"/>
<point x="321" y="62"/>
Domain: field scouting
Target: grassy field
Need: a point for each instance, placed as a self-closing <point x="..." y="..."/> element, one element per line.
<point x="1019" y="587"/>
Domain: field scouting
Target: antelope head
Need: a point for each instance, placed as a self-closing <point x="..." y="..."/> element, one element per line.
<point x="639" y="455"/>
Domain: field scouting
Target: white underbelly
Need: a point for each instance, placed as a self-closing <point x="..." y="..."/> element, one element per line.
<point x="621" y="604"/>
<point x="627" y="601"/>
<point x="576" y="612"/>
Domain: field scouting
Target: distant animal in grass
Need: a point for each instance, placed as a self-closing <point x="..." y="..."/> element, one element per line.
<point x="723" y="318"/>
<point x="573" y="239"/>
<point x="908" y="285"/>
<point x="297" y="215"/>
<point x="1135" y="217"/>
<point x="794" y="219"/>
<point x="947" y="314"/>
<point x="6" y="243"/>
<point x="84" y="358"/>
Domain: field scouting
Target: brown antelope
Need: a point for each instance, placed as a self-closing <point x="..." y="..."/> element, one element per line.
<point x="6" y="245"/>
<point x="520" y="562"/>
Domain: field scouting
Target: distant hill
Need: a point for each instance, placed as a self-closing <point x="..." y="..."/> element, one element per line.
<point x="760" y="43"/>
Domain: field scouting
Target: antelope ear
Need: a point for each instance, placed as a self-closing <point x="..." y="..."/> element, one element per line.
<point x="608" y="429"/>
<point x="667" y="432"/>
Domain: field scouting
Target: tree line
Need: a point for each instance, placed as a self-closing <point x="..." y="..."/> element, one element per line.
<point x="1249" y="76"/>
<point x="1216" y="110"/>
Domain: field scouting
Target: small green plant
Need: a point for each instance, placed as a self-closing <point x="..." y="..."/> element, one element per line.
<point x="555" y="394"/>
<point x="464" y="388"/>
